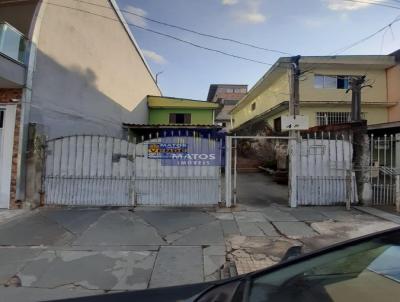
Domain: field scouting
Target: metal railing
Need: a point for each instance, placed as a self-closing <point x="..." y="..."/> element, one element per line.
<point x="384" y="168"/>
<point x="13" y="43"/>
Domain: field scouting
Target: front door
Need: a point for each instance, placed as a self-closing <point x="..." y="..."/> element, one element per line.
<point x="7" y="125"/>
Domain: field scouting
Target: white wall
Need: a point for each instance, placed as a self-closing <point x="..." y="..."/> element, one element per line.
<point x="6" y="151"/>
<point x="89" y="76"/>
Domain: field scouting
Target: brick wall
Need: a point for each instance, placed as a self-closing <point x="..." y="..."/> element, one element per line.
<point x="6" y="97"/>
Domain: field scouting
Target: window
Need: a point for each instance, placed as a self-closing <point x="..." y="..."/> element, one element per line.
<point x="253" y="106"/>
<point x="180" y="118"/>
<point x="229" y="90"/>
<point x="1" y="118"/>
<point x="230" y="102"/>
<point x="331" y="82"/>
<point x="240" y="90"/>
<point x="329" y="118"/>
<point x="278" y="124"/>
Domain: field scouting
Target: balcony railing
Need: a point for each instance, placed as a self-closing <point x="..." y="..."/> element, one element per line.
<point x="13" y="44"/>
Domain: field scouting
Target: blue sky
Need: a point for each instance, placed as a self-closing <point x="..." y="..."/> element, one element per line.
<point x="305" y="27"/>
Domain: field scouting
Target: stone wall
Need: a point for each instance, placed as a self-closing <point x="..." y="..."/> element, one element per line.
<point x="13" y="96"/>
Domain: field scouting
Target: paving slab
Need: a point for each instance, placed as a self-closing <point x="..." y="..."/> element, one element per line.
<point x="229" y="227"/>
<point x="212" y="264"/>
<point x="208" y="234"/>
<point x="167" y="222"/>
<point x="29" y="294"/>
<point x="275" y="214"/>
<point x="222" y="216"/>
<point x="306" y="214"/>
<point x="249" y="229"/>
<point x="33" y="230"/>
<point x="380" y="214"/>
<point x="74" y="220"/>
<point x="267" y="228"/>
<point x="13" y="259"/>
<point x="249" y="216"/>
<point x="294" y="229"/>
<point x="176" y="265"/>
<point x="108" y="270"/>
<point x="119" y="228"/>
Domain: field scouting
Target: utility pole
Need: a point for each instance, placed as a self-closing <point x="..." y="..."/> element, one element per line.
<point x="294" y="109"/>
<point x="294" y="102"/>
<point x="360" y="142"/>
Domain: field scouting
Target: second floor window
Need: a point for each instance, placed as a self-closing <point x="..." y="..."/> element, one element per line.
<point x="331" y="81"/>
<point x="180" y="118"/>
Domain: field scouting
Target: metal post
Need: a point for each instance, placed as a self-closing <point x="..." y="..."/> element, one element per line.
<point x="228" y="171"/>
<point x="398" y="193"/>
<point x="235" y="173"/>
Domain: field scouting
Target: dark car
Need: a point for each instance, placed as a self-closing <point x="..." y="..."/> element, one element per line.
<point x="362" y="269"/>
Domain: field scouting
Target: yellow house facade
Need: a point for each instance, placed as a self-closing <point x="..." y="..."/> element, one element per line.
<point x="323" y="91"/>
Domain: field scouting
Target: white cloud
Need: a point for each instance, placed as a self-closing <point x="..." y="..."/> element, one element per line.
<point x="229" y="2"/>
<point x="135" y="19"/>
<point x="340" y="5"/>
<point x="250" y="17"/>
<point x="153" y="56"/>
<point x="250" y="12"/>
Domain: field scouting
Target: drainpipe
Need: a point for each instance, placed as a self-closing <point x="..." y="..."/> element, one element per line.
<point x="27" y="98"/>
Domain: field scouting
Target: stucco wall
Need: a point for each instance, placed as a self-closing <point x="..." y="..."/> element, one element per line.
<point x="393" y="78"/>
<point x="199" y="116"/>
<point x="376" y="94"/>
<point x="272" y="95"/>
<point x="89" y="76"/>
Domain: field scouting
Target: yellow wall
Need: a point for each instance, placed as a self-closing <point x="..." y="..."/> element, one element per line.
<point x="393" y="77"/>
<point x="374" y="115"/>
<point x="274" y="94"/>
<point x="269" y="98"/>
<point x="376" y="94"/>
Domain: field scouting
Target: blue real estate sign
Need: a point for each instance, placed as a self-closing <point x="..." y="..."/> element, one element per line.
<point x="189" y="151"/>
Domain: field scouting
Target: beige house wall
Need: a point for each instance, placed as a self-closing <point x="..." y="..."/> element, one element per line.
<point x="89" y="75"/>
<point x="393" y="77"/>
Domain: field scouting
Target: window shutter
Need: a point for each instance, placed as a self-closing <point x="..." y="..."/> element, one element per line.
<point x="172" y="118"/>
<point x="188" y="118"/>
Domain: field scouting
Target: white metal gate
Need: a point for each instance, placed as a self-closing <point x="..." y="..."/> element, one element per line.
<point x="385" y="169"/>
<point x="320" y="172"/>
<point x="324" y="169"/>
<point x="185" y="181"/>
<point x="92" y="170"/>
<point x="89" y="170"/>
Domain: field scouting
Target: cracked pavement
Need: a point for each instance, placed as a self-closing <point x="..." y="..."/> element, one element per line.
<point x="60" y="252"/>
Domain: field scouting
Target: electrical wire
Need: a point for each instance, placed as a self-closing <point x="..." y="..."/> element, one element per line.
<point x="343" y="49"/>
<point x="168" y="36"/>
<point x="190" y="30"/>
<point x="374" y="3"/>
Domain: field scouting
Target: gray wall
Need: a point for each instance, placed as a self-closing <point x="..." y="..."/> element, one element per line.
<point x="89" y="77"/>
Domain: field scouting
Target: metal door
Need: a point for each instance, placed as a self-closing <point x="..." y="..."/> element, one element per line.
<point x="180" y="181"/>
<point x="89" y="170"/>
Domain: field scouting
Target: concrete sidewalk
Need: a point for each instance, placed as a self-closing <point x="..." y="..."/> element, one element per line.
<point x="56" y="253"/>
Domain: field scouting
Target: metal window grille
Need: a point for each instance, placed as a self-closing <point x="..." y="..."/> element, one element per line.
<point x="329" y="118"/>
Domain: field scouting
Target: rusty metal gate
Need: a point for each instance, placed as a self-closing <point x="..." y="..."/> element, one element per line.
<point x="92" y="170"/>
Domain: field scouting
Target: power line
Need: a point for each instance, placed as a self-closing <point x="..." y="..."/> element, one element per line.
<point x="168" y="36"/>
<point x="191" y="30"/>
<point x="373" y="3"/>
<point x="343" y="49"/>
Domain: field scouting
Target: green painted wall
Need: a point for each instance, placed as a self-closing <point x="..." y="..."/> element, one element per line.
<point x="199" y="116"/>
